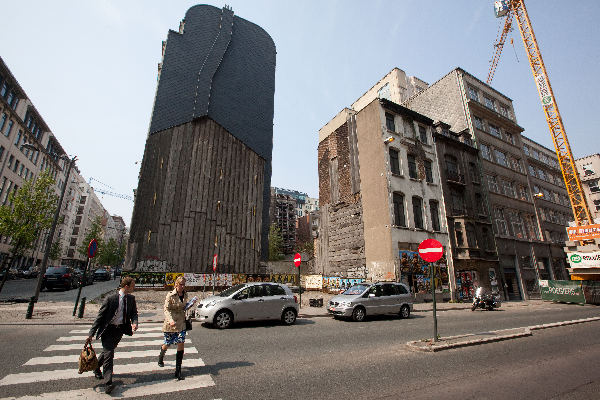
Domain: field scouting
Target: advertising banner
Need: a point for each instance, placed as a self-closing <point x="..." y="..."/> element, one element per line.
<point x="314" y="282"/>
<point x="146" y="279"/>
<point x="584" y="260"/>
<point x="170" y="278"/>
<point x="583" y="232"/>
<point x="291" y="279"/>
<point x="563" y="291"/>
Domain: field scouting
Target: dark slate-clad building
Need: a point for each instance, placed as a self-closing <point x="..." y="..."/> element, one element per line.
<point x="204" y="185"/>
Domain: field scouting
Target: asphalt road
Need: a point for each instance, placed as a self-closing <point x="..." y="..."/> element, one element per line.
<point x="321" y="358"/>
<point x="25" y="288"/>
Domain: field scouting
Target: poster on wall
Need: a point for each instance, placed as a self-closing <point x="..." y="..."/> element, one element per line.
<point x="285" y="278"/>
<point x="416" y="273"/>
<point x="170" y="278"/>
<point x="313" y="282"/>
<point x="146" y="279"/>
<point x="465" y="284"/>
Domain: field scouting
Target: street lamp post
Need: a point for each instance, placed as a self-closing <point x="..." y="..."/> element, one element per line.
<point x="34" y="299"/>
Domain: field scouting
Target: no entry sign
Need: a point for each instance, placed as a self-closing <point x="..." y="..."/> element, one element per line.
<point x="297" y="259"/>
<point x="431" y="250"/>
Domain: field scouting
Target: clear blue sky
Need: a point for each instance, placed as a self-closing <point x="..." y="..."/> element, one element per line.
<point x="90" y="69"/>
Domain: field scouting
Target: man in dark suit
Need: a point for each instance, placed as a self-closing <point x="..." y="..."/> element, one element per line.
<point x="117" y="316"/>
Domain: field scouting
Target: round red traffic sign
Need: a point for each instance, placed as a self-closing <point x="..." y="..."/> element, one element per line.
<point x="431" y="250"/>
<point x="92" y="248"/>
<point x="297" y="259"/>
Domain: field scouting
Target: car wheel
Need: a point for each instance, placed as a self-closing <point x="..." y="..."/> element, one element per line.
<point x="404" y="311"/>
<point x="288" y="316"/>
<point x="359" y="314"/>
<point x="69" y="286"/>
<point x="223" y="319"/>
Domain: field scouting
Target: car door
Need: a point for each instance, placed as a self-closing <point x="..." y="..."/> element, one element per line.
<point x="275" y="300"/>
<point x="372" y="302"/>
<point x="244" y="304"/>
<point x="389" y="299"/>
<point x="403" y="294"/>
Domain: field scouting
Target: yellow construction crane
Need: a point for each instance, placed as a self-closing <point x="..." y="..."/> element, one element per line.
<point x="516" y="9"/>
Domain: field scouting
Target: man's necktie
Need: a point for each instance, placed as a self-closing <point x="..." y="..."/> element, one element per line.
<point x="124" y="310"/>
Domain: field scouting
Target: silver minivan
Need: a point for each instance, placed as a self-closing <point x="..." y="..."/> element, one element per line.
<point x="249" y="302"/>
<point x="372" y="299"/>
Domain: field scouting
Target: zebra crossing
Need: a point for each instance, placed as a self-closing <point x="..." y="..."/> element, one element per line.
<point x="135" y="355"/>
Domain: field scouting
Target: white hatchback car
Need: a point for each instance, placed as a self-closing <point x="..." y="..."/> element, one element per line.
<point x="371" y="299"/>
<point x="249" y="302"/>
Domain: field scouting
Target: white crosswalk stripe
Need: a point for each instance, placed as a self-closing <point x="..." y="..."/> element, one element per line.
<point x="73" y="358"/>
<point x="71" y="372"/>
<point x="134" y="390"/>
<point x="144" y="345"/>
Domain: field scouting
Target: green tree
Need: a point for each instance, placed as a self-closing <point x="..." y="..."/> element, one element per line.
<point x="112" y="253"/>
<point x="55" y="251"/>
<point x="29" y="212"/>
<point x="275" y="243"/>
<point x="95" y="232"/>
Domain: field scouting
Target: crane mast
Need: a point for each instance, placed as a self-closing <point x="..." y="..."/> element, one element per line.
<point x="566" y="161"/>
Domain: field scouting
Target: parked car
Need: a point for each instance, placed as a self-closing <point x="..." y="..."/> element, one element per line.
<point x="31" y="272"/>
<point x="60" y="277"/>
<point x="249" y="302"/>
<point x="101" y="274"/>
<point x="84" y="276"/>
<point x="365" y="299"/>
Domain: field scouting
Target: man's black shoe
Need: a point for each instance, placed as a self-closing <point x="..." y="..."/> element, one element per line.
<point x="98" y="374"/>
<point x="109" y="388"/>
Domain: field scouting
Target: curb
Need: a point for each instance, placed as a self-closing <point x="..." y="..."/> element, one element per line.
<point x="527" y="331"/>
<point x="413" y="345"/>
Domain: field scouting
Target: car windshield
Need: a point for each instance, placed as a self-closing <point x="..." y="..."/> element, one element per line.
<point x="56" y="270"/>
<point x="101" y="270"/>
<point x="356" y="289"/>
<point x="231" y="290"/>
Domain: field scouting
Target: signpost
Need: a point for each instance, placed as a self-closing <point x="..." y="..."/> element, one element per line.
<point x="92" y="250"/>
<point x="214" y="271"/>
<point x="430" y="250"/>
<point x="297" y="262"/>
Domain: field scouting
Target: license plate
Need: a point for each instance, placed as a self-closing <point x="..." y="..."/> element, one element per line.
<point x="51" y="279"/>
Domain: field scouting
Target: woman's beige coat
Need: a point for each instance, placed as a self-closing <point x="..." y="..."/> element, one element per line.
<point x="174" y="311"/>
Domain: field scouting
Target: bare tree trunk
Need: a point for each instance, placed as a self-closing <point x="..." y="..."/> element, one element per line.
<point x="5" y="267"/>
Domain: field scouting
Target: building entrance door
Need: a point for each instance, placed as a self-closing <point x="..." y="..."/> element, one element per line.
<point x="511" y="284"/>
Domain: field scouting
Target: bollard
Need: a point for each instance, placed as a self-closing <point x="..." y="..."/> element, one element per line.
<point x="30" y="308"/>
<point x="81" y="308"/>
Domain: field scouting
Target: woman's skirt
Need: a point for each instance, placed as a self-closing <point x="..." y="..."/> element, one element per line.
<point x="174" y="337"/>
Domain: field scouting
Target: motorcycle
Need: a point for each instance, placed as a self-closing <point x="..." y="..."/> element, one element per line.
<point x="485" y="300"/>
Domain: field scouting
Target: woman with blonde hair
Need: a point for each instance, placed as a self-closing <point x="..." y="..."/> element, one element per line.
<point x="174" y="325"/>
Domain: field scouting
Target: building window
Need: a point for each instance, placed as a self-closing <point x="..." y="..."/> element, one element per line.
<point x="452" y="172"/>
<point x="596" y="204"/>
<point x="516" y="164"/>
<point x="428" y="171"/>
<point x="494" y="130"/>
<point x="399" y="218"/>
<point x="523" y="193"/>
<point x="594" y="186"/>
<point x="474" y="172"/>
<point x="412" y="166"/>
<point x="492" y="184"/>
<point x="487" y="242"/>
<point x="485" y="151"/>
<point x="3" y="121"/>
<point x="504" y="110"/>
<point x="500" y="157"/>
<point x="11" y="159"/>
<point x="417" y="204"/>
<point x="422" y="134"/>
<point x="394" y="161"/>
<point x="509" y="137"/>
<point x="526" y="149"/>
<point x="509" y="189"/>
<point x="389" y="122"/>
<point x="500" y="222"/>
<point x="541" y="174"/>
<point x="458" y="202"/>
<point x="478" y="123"/>
<point x="516" y="222"/>
<point x="18" y="138"/>
<point x="473" y="95"/>
<point x="435" y="215"/>
<point x="479" y="204"/>
<point x="458" y="234"/>
<point x="1" y="152"/>
<point x="471" y="239"/>
<point x="489" y="103"/>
